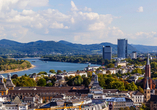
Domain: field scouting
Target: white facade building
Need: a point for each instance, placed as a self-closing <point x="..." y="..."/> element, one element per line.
<point x="138" y="98"/>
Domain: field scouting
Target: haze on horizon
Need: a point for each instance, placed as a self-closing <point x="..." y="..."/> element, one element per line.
<point x="80" y="21"/>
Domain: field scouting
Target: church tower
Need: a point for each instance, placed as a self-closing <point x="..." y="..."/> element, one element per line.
<point x="148" y="69"/>
<point x="148" y="76"/>
<point x="9" y="83"/>
<point x="3" y="89"/>
<point x="147" y="92"/>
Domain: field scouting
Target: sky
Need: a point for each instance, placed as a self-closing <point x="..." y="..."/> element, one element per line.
<point x="79" y="21"/>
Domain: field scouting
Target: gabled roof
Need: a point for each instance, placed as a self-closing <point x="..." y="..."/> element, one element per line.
<point x="138" y="93"/>
<point x="16" y="100"/>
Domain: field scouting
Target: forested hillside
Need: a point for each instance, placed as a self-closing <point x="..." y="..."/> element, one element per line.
<point x="12" y="64"/>
<point x="52" y="47"/>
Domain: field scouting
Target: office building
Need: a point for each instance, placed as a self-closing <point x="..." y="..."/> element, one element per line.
<point x="134" y="55"/>
<point x="107" y="52"/>
<point x="122" y="48"/>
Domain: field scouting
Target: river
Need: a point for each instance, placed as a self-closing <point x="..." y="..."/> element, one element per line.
<point x="46" y="66"/>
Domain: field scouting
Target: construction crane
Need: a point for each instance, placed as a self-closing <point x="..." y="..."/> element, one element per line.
<point x="64" y="108"/>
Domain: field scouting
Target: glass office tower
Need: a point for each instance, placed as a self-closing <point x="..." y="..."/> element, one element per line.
<point x="122" y="48"/>
<point x="107" y="52"/>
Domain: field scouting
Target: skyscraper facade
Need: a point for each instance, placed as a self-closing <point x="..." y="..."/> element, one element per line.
<point x="107" y="52"/>
<point x="134" y="55"/>
<point x="122" y="48"/>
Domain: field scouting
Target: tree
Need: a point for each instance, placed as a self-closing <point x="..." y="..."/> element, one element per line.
<point x="52" y="71"/>
<point x="89" y="74"/>
<point x="137" y="70"/>
<point x="140" y="89"/>
<point x="108" y="72"/>
<point x="59" y="71"/>
<point x="111" y="65"/>
<point x="154" y="66"/>
<point x="119" y="66"/>
<point x="42" y="73"/>
<point x="133" y="86"/>
<point x="126" y="108"/>
<point x="14" y="76"/>
<point x="144" y="107"/>
<point x="118" y="85"/>
<point x="86" y="81"/>
<point x="70" y="80"/>
<point x="24" y="81"/>
<point x="41" y="82"/>
<point x="78" y="80"/>
<point x="49" y="84"/>
<point x="132" y="108"/>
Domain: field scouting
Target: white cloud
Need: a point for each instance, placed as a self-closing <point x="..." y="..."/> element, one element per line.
<point x="80" y="26"/>
<point x="76" y="38"/>
<point x="87" y="9"/>
<point x="72" y="20"/>
<point x="21" y="4"/>
<point x="58" y="26"/>
<point x="73" y="6"/>
<point x="97" y="26"/>
<point x="28" y="12"/>
<point x="140" y="9"/>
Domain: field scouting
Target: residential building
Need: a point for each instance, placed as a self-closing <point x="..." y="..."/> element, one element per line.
<point x="119" y="102"/>
<point x="122" y="48"/>
<point x="107" y="52"/>
<point x="93" y="68"/>
<point x="137" y="98"/>
<point x="121" y="63"/>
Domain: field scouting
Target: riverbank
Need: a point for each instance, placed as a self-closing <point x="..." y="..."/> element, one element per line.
<point x="17" y="70"/>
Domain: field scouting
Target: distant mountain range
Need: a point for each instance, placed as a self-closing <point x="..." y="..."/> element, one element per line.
<point x="63" y="47"/>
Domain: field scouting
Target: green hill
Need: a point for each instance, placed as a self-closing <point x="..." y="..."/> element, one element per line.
<point x="52" y="47"/>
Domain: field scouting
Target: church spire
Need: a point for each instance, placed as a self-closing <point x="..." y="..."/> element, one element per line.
<point x="147" y="85"/>
<point x="148" y="63"/>
<point x="148" y="69"/>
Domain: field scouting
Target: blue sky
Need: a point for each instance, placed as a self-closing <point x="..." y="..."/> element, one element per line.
<point x="79" y="21"/>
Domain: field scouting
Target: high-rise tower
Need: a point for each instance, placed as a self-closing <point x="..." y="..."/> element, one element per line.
<point x="107" y="52"/>
<point x="122" y="48"/>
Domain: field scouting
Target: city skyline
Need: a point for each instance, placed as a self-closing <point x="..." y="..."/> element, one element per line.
<point x="84" y="22"/>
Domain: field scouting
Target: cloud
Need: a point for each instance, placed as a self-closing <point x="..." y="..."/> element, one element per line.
<point x="97" y="26"/>
<point x="73" y="6"/>
<point x="140" y="9"/>
<point x="22" y="4"/>
<point x="58" y="25"/>
<point x="87" y="9"/>
<point x="79" y="26"/>
<point x="72" y="20"/>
